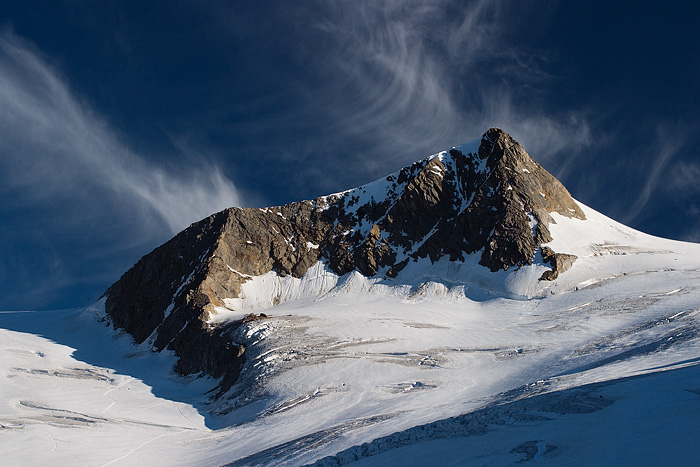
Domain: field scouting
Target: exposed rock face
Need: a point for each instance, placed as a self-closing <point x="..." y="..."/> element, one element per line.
<point x="493" y="199"/>
<point x="560" y="263"/>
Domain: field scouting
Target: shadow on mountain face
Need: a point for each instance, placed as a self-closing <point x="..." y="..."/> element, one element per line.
<point x="543" y="413"/>
<point x="96" y="344"/>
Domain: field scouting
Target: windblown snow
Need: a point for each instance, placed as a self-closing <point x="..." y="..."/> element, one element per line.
<point x="446" y="364"/>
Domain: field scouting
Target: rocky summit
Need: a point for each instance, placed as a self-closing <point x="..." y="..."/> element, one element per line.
<point x="487" y="197"/>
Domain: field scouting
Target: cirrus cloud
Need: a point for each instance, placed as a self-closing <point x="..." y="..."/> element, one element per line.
<point x="84" y="204"/>
<point x="53" y="144"/>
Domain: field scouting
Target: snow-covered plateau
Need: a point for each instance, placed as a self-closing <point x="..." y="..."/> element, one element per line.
<point x="446" y="364"/>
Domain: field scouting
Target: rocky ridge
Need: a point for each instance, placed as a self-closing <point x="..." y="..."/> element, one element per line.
<point x="487" y="196"/>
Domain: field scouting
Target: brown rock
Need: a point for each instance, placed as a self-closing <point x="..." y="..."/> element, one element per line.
<point x="496" y="201"/>
<point x="560" y="262"/>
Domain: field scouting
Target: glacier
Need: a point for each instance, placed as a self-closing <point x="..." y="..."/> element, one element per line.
<point x="447" y="363"/>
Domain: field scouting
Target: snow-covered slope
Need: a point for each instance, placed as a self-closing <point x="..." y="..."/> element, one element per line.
<point x="346" y="360"/>
<point x="447" y="362"/>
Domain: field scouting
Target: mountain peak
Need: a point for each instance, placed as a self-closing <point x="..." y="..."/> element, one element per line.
<point x="487" y="197"/>
<point x="494" y="142"/>
<point x="498" y="147"/>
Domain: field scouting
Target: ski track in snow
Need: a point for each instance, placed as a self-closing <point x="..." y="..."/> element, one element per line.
<point x="135" y="449"/>
<point x="113" y="401"/>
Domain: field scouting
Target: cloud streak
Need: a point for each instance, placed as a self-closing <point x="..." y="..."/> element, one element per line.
<point x="413" y="74"/>
<point x="84" y="205"/>
<point x="55" y="146"/>
<point x="664" y="150"/>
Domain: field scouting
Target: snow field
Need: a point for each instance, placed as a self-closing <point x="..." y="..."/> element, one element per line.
<point x="346" y="362"/>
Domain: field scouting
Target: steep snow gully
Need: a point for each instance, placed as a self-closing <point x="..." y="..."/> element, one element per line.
<point x="464" y="310"/>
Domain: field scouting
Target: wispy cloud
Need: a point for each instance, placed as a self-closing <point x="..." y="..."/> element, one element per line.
<point x="376" y="85"/>
<point x="682" y="185"/>
<point x="55" y="146"/>
<point x="411" y="74"/>
<point x="684" y="178"/>
<point x="80" y="205"/>
<point x="662" y="151"/>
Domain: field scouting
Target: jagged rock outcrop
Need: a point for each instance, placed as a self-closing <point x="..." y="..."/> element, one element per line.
<point x="560" y="262"/>
<point x="488" y="196"/>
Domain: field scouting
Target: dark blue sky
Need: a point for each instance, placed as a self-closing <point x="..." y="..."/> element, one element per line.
<point x="123" y="122"/>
